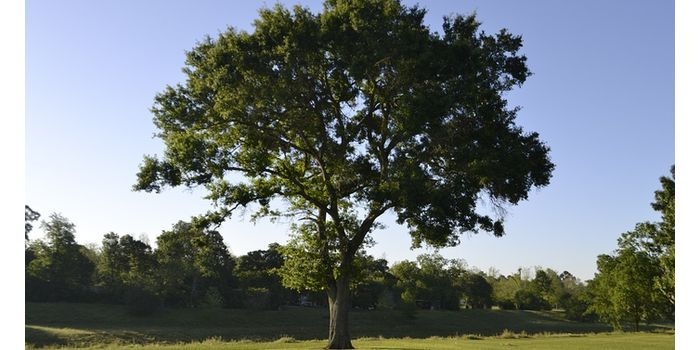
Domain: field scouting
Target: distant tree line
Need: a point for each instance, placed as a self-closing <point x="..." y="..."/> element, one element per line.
<point x="192" y="267"/>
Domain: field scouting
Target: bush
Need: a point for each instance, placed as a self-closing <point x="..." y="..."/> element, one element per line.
<point x="529" y="300"/>
<point x="575" y="309"/>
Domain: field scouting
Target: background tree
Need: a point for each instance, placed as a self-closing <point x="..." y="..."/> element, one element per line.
<point x="409" y="284"/>
<point x="259" y="269"/>
<point x="29" y="217"/>
<point x="544" y="289"/>
<point x="574" y="298"/>
<point x="478" y="292"/>
<point x="440" y="279"/>
<point x="505" y="289"/>
<point x="348" y="114"/>
<point x="435" y="282"/>
<point x="60" y="270"/>
<point x="110" y="266"/>
<point x="621" y="288"/>
<point x="374" y="282"/>
<point x="658" y="241"/>
<point x="638" y="284"/>
<point x="191" y="261"/>
<point x="127" y="273"/>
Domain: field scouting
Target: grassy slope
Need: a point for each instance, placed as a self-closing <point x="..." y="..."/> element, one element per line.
<point x="91" y="324"/>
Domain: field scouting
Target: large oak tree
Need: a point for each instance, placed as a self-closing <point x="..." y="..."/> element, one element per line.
<point x="345" y="115"/>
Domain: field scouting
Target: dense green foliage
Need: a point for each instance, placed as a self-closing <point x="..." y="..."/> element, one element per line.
<point x="192" y="267"/>
<point x="257" y="273"/>
<point x="344" y="115"/>
<point x="637" y="283"/>
<point x="149" y="283"/>
<point x="195" y="266"/>
<point x="126" y="273"/>
<point x="59" y="269"/>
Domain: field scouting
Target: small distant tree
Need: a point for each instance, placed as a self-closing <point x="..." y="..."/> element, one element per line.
<point x="574" y="298"/>
<point x="543" y="288"/>
<point x="409" y="280"/>
<point x="440" y="280"/>
<point x="505" y="289"/>
<point x="432" y="280"/>
<point x="374" y="282"/>
<point x="126" y="268"/>
<point x="190" y="260"/>
<point x="478" y="291"/>
<point x="260" y="269"/>
<point x="60" y="270"/>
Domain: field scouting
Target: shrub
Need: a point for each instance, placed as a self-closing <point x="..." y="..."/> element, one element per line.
<point x="529" y="300"/>
<point x="575" y="309"/>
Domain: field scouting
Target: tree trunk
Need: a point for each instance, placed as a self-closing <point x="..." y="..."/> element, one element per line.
<point x="339" y="309"/>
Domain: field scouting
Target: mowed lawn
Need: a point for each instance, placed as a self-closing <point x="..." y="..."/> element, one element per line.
<point x="109" y="326"/>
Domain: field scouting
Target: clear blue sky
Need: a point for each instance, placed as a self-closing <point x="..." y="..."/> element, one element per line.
<point x="602" y="97"/>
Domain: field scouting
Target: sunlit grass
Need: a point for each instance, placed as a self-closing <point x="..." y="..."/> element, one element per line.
<point x="621" y="341"/>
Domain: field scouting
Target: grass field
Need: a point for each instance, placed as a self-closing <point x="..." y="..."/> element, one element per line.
<point x="109" y="326"/>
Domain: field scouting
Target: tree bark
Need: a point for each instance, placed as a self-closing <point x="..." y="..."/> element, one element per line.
<point x="339" y="309"/>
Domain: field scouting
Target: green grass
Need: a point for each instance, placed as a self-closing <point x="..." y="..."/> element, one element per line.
<point x="618" y="341"/>
<point x="109" y="326"/>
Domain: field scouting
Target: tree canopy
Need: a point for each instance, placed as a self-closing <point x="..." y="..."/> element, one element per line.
<point x="345" y="115"/>
<point x="638" y="282"/>
<point x="191" y="261"/>
<point x="59" y="269"/>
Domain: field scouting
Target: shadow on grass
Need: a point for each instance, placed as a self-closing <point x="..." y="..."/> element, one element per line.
<point x="36" y="337"/>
